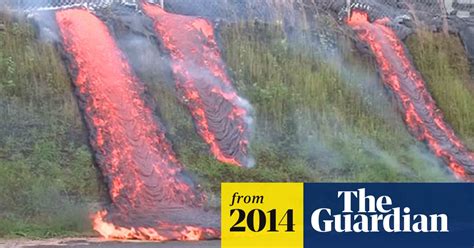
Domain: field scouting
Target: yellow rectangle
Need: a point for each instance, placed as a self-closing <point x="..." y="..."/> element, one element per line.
<point x="262" y="215"/>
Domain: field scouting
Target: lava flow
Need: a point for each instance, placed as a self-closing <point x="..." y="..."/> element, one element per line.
<point x="221" y="117"/>
<point x="421" y="114"/>
<point x="148" y="190"/>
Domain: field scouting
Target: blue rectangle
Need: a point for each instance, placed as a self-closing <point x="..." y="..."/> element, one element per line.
<point x="451" y="204"/>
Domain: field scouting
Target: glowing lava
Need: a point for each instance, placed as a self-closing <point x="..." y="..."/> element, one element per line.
<point x="159" y="232"/>
<point x="144" y="177"/>
<point x="421" y="114"/>
<point x="222" y="118"/>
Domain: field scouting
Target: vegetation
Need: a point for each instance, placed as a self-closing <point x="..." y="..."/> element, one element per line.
<point x="443" y="63"/>
<point x="46" y="170"/>
<point x="321" y="115"/>
<point x="317" y="119"/>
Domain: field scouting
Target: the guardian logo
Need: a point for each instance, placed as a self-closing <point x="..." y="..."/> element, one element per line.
<point x="375" y="215"/>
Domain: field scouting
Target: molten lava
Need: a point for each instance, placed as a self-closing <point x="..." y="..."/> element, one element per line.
<point x="221" y="117"/>
<point x="145" y="179"/>
<point x="421" y="114"/>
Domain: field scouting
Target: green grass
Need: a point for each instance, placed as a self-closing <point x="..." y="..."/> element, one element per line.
<point x="47" y="177"/>
<point x="317" y="120"/>
<point x="319" y="109"/>
<point x="444" y="65"/>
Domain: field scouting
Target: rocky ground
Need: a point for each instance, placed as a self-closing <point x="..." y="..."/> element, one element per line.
<point x="468" y="36"/>
<point x="99" y="243"/>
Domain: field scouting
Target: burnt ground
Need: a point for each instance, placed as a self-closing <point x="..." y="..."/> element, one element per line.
<point x="467" y="34"/>
<point x="99" y="243"/>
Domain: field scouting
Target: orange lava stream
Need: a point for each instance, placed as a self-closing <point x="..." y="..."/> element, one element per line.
<point x="422" y="116"/>
<point x="130" y="145"/>
<point x="160" y="232"/>
<point x="200" y="74"/>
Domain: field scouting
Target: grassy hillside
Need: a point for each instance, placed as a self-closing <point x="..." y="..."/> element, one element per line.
<point x="445" y="67"/>
<point x="46" y="170"/>
<point x="318" y="119"/>
<point x="315" y="120"/>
